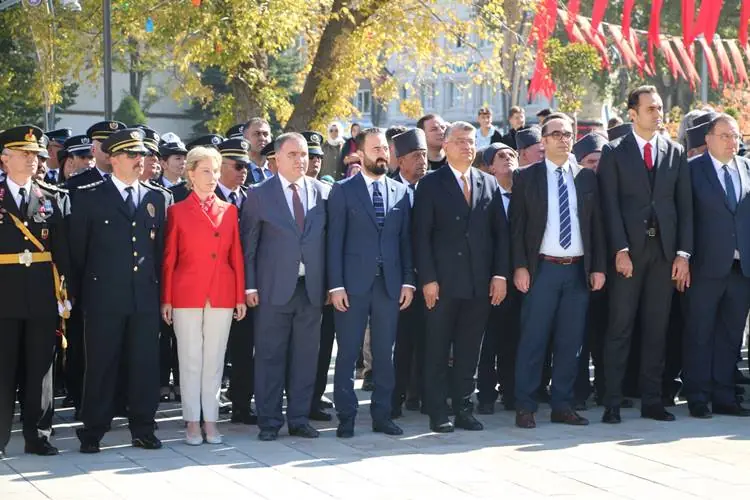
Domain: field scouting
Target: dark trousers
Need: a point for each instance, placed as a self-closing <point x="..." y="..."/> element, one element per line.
<point x="327" y="335"/>
<point x="382" y="311"/>
<point x="110" y="341"/>
<point x="673" y="346"/>
<point x="168" y="362"/>
<point x="242" y="379"/>
<point x="75" y="360"/>
<point x="556" y="305"/>
<point x="716" y="314"/>
<point x="497" y="360"/>
<point x="286" y="351"/>
<point x="651" y="289"/>
<point x="596" y="329"/>
<point x="35" y="339"/>
<point x="460" y="322"/>
<point x="408" y="357"/>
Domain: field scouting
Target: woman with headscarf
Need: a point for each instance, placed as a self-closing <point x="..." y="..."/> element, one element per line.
<point x="332" y="152"/>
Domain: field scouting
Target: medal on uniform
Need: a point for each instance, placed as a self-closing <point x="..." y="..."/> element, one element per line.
<point x="48" y="207"/>
<point x="153" y="234"/>
<point x="151" y="209"/>
<point x="45" y="233"/>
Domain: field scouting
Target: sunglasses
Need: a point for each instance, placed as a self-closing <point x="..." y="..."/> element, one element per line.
<point x="240" y="166"/>
<point x="133" y="156"/>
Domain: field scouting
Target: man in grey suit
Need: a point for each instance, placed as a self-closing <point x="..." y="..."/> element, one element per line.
<point x="370" y="275"/>
<point x="283" y="230"/>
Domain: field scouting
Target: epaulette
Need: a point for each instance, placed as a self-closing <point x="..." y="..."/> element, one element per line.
<point x="92" y="185"/>
<point x="154" y="185"/>
<point x="51" y="187"/>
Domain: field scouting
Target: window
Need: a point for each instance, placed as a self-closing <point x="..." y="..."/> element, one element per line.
<point x="428" y="96"/>
<point x="363" y="101"/>
<point x="455" y="95"/>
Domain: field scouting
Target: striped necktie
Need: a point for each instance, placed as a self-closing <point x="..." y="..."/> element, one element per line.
<point x="377" y="201"/>
<point x="564" y="206"/>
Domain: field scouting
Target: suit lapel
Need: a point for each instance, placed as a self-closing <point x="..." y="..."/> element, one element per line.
<point x="364" y="197"/>
<point x="390" y="198"/>
<point x="280" y="198"/>
<point x="477" y="186"/>
<point x="312" y="200"/>
<point x="575" y="169"/>
<point x="744" y="177"/>
<point x="540" y="176"/>
<point x="634" y="158"/>
<point x="220" y="194"/>
<point x="34" y="201"/>
<point x="451" y="183"/>
<point x="119" y="202"/>
<point x="661" y="158"/>
<point x="710" y="172"/>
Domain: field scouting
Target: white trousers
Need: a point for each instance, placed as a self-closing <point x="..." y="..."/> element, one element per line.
<point x="202" y="336"/>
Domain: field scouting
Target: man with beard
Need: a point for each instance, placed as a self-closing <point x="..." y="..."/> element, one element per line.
<point x="257" y="132"/>
<point x="411" y="155"/>
<point x="434" y="130"/>
<point x="370" y="275"/>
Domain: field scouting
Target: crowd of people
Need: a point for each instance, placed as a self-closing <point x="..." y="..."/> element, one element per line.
<point x="445" y="261"/>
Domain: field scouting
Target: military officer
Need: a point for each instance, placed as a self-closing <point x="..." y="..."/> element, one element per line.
<point x="117" y="231"/>
<point x="270" y="153"/>
<point x="315" y="152"/>
<point x="208" y="140"/>
<point x="56" y="143"/>
<point x="236" y="131"/>
<point x="34" y="269"/>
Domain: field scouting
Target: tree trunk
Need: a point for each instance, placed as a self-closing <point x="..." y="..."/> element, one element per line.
<point x="246" y="93"/>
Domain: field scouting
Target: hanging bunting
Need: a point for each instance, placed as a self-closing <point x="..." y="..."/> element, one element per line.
<point x="708" y="19"/>
<point x="672" y="62"/>
<point x="693" y="78"/>
<point x="744" y="20"/>
<point x="542" y="28"/>
<point x="626" y="51"/>
<point x="653" y="31"/>
<point x="688" y="14"/>
<point x="739" y="64"/>
<point x="596" y="39"/>
<point x="713" y="70"/>
<point x="627" y="13"/>
<point x="574" y="34"/>
<point x="726" y="67"/>
<point x="636" y="44"/>
<point x="597" y="13"/>
<point x="569" y="18"/>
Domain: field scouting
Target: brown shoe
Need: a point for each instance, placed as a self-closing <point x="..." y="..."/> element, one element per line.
<point x="525" y="419"/>
<point x="568" y="417"/>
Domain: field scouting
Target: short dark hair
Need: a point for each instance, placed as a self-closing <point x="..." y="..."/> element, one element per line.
<point x="614" y="121"/>
<point x="634" y="98"/>
<point x="554" y="116"/>
<point x="283" y="138"/>
<point x="426" y="118"/>
<point x="256" y="121"/>
<point x="394" y="131"/>
<point x="722" y="117"/>
<point x="363" y="134"/>
<point x="514" y="110"/>
<point x="354" y="124"/>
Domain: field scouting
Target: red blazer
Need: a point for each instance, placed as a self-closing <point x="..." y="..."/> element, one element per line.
<point x="203" y="256"/>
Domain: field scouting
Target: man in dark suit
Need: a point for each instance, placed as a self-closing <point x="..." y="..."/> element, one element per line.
<point x="371" y="277"/>
<point x="283" y="230"/>
<point x="408" y="357"/>
<point x="718" y="299"/>
<point x="461" y="250"/>
<point x="516" y="121"/>
<point x="558" y="253"/>
<point x="96" y="133"/>
<point x="648" y="212"/>
<point x="257" y="132"/>
<point x="33" y="247"/>
<point x="116" y="234"/>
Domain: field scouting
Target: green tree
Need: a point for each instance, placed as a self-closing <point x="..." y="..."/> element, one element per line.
<point x="129" y="112"/>
<point x="572" y="66"/>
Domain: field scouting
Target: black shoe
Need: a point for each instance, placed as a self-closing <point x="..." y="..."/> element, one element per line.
<point x="345" y="429"/>
<point x="611" y="415"/>
<point x="319" y="415"/>
<point x="442" y="426"/>
<point x="568" y="417"/>
<point x="246" y="417"/>
<point x="268" y="434"/>
<point x="467" y="422"/>
<point x="656" y="412"/>
<point x="700" y="410"/>
<point x="486" y="408"/>
<point x="412" y="404"/>
<point x="304" y="431"/>
<point x="396" y="412"/>
<point x="326" y="405"/>
<point x="147" y="442"/>
<point x="387" y="427"/>
<point x="89" y="446"/>
<point x="41" y="447"/>
<point x="735" y="410"/>
<point x="368" y="385"/>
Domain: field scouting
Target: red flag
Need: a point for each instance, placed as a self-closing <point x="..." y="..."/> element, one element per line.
<point x="708" y="19"/>
<point x="653" y="30"/>
<point x="574" y="33"/>
<point x="623" y="45"/>
<point x="627" y="11"/>
<point x="694" y="79"/>
<point x="596" y="39"/>
<point x="744" y="19"/>
<point x="569" y="17"/>
<point x="688" y="14"/>
<point x="597" y="13"/>
<point x="636" y="43"/>
<point x="543" y="26"/>
<point x="739" y="64"/>
<point x="726" y="67"/>
<point x="672" y="63"/>
<point x="713" y="70"/>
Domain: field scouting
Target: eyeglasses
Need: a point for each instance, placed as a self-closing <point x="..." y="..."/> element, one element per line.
<point x="728" y="137"/>
<point x="557" y="135"/>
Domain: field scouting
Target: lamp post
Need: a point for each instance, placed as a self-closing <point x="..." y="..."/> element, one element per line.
<point x="107" y="13"/>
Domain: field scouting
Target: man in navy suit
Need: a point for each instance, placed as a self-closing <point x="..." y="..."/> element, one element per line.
<point x="719" y="293"/>
<point x="370" y="275"/>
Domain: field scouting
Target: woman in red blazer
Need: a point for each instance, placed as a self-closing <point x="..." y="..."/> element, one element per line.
<point x="203" y="283"/>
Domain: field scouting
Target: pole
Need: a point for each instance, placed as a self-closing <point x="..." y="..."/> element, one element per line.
<point x="49" y="108"/>
<point x="107" y="12"/>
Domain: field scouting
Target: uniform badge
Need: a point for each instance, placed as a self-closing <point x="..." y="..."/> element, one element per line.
<point x="30" y="137"/>
<point x="45" y="233"/>
<point x="153" y="234"/>
<point x="151" y="209"/>
<point x="47" y="207"/>
<point x="113" y="125"/>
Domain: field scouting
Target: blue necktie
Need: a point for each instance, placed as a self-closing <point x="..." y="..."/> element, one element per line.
<point x="730" y="193"/>
<point x="233" y="198"/>
<point x="377" y="201"/>
<point x="130" y="201"/>
<point x="562" y="196"/>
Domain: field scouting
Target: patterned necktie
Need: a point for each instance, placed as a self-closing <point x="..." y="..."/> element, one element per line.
<point x="729" y="191"/>
<point x="24" y="206"/>
<point x="299" y="211"/>
<point x="377" y="202"/>
<point x="467" y="189"/>
<point x="130" y="201"/>
<point x="564" y="206"/>
<point x="647" y="157"/>
<point x="233" y="198"/>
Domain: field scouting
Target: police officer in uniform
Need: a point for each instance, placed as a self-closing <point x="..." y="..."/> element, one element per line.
<point x="96" y="133"/>
<point x="116" y="235"/>
<point x="208" y="141"/>
<point x="34" y="267"/>
<point x="56" y="143"/>
<point x="172" y="156"/>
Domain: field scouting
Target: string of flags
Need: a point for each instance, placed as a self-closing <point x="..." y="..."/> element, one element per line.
<point x="724" y="57"/>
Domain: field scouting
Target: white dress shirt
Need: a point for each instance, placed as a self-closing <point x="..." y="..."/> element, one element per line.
<point x="226" y="192"/>
<point x="15" y="188"/>
<point x="408" y="189"/>
<point x="167" y="183"/>
<point x="734" y="173"/>
<point x="458" y="175"/>
<point x="482" y="141"/>
<point x="551" y="240"/>
<point x="121" y="188"/>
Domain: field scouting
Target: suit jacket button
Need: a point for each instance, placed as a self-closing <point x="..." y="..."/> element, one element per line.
<point x="135" y="269"/>
<point x="460" y="254"/>
<point x="133" y="223"/>
<point x="106" y="222"/>
<point x="213" y="255"/>
<point x="135" y="254"/>
<point x="133" y="238"/>
<point x="458" y="218"/>
<point x="216" y="234"/>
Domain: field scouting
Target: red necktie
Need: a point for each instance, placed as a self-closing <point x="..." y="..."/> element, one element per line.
<point x="647" y="157"/>
<point x="299" y="210"/>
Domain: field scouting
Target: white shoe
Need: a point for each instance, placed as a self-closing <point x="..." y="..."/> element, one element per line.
<point x="194" y="440"/>
<point x="216" y="439"/>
